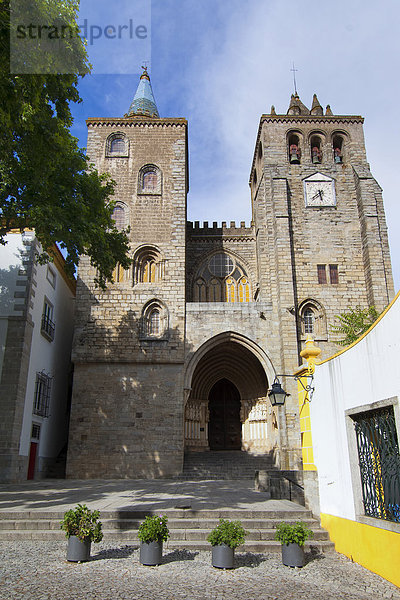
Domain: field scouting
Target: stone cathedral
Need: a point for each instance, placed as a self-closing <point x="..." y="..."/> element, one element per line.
<point x="178" y="354"/>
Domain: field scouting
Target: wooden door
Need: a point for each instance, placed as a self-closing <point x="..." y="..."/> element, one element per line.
<point x="32" y="460"/>
<point x="225" y="428"/>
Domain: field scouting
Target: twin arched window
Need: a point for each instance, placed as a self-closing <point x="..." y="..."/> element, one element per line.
<point x="221" y="279"/>
<point x="150" y="180"/>
<point x="148" y="265"/>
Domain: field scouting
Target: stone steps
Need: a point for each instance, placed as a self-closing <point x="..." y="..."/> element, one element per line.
<point x="188" y="528"/>
<point x="224" y="465"/>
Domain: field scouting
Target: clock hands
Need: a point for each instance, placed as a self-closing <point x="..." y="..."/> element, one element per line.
<point x="318" y="195"/>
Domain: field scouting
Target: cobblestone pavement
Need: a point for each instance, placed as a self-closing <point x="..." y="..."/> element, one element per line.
<point x="39" y="571"/>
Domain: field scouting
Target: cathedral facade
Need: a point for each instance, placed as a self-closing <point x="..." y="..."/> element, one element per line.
<point x="178" y="354"/>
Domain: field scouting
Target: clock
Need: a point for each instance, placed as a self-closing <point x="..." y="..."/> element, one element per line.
<point x="319" y="190"/>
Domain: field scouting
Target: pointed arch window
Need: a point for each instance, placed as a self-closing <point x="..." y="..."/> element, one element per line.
<point x="154" y="322"/>
<point x="224" y="279"/>
<point x="150" y="180"/>
<point x="243" y="290"/>
<point x="313" y="320"/>
<point x="200" y="291"/>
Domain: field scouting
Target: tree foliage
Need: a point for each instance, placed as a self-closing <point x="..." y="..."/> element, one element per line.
<point x="353" y="323"/>
<point x="46" y="182"/>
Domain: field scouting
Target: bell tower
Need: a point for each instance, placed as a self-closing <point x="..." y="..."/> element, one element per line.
<point x="129" y="340"/>
<point x="322" y="242"/>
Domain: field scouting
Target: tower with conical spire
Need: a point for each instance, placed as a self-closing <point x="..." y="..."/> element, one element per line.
<point x="143" y="103"/>
<point x="130" y="338"/>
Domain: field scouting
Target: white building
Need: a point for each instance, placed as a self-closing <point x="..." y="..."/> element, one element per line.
<point x="36" y="326"/>
<point x="355" y="426"/>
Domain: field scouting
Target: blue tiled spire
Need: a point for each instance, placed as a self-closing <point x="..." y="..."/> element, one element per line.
<point x="143" y="103"/>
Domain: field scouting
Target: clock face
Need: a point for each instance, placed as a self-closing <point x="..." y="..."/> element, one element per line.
<point x="319" y="190"/>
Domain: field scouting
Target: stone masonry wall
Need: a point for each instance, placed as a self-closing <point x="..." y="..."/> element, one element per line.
<point x="119" y="370"/>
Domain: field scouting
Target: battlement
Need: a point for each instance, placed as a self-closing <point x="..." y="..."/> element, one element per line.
<point x="223" y="229"/>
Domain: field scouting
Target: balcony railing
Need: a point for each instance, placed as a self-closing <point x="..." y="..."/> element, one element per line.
<point x="48" y="327"/>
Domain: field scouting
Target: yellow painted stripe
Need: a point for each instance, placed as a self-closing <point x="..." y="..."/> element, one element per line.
<point x="376" y="549"/>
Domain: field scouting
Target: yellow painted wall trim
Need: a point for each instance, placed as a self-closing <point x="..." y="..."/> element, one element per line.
<point x="372" y="547"/>
<point x="365" y="333"/>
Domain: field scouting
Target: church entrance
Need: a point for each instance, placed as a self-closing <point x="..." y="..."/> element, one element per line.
<point x="224" y="428"/>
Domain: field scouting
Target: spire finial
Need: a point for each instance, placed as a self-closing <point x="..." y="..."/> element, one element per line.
<point x="145" y="74"/>
<point x="294" y="79"/>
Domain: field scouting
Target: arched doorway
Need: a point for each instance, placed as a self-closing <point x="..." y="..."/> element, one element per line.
<point x="229" y="370"/>
<point x="224" y="427"/>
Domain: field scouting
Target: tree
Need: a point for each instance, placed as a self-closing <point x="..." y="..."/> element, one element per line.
<point x="353" y="323"/>
<point x="46" y="182"/>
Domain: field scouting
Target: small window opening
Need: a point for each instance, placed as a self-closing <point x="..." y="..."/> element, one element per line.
<point x="316" y="152"/>
<point x="308" y="319"/>
<point x="321" y="269"/>
<point x="338" y="149"/>
<point x="294" y="150"/>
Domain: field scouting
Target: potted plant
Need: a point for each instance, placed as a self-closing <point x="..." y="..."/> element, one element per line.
<point x="227" y="536"/>
<point x="292" y="538"/>
<point x="82" y="527"/>
<point x="152" y="533"/>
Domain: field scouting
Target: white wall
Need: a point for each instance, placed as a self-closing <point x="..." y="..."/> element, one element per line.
<point x="365" y="374"/>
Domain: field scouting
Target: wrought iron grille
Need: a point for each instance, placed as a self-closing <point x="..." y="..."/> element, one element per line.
<point x="379" y="459"/>
<point x="41" y="401"/>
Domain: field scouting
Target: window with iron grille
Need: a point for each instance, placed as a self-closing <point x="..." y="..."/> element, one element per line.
<point x="333" y="274"/>
<point x="47" y="327"/>
<point x="41" y="402"/>
<point x="379" y="460"/>
<point x="321" y="269"/>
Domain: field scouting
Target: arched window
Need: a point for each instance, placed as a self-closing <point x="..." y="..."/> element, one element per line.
<point x="200" y="291"/>
<point x="294" y="151"/>
<point x="117" y="145"/>
<point x="243" y="290"/>
<point x="316" y="149"/>
<point x="154" y="321"/>
<point x="150" y="180"/>
<point x="230" y="290"/>
<point x="337" y="147"/>
<point x="224" y="279"/>
<point x="148" y="265"/>
<point x="312" y="320"/>
<point x="120" y="216"/>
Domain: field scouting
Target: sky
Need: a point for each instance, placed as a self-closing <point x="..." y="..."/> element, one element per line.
<point x="223" y="63"/>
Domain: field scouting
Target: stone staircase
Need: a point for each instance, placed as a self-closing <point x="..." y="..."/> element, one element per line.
<point x="224" y="465"/>
<point x="188" y="528"/>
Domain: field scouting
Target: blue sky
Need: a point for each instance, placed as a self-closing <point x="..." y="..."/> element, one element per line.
<point x="223" y="63"/>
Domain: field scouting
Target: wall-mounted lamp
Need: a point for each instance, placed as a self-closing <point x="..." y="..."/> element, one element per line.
<point x="277" y="394"/>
